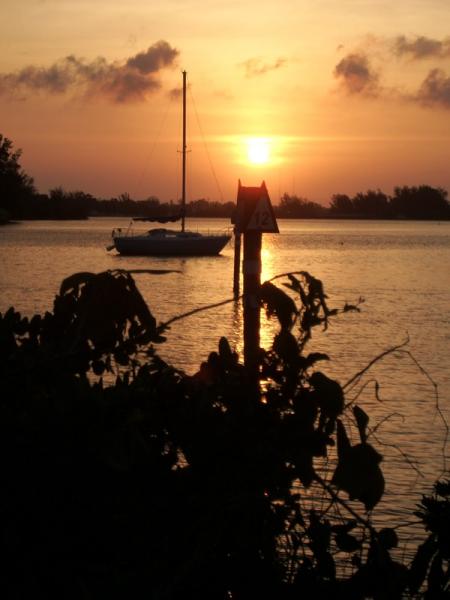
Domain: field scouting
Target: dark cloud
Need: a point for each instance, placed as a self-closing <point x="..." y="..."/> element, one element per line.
<point x="435" y="89"/>
<point x="256" y="66"/>
<point x="421" y="47"/>
<point x="157" y="57"/>
<point x="356" y="75"/>
<point x="118" y="82"/>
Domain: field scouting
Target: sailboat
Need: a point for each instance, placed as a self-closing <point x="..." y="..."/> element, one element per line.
<point x="170" y="242"/>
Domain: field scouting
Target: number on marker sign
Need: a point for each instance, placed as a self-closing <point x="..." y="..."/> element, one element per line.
<point x="262" y="218"/>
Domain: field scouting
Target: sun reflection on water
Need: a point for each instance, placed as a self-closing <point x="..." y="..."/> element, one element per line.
<point x="269" y="327"/>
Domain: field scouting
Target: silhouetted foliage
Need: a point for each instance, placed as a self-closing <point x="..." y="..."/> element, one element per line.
<point x="206" y="208"/>
<point x="372" y="205"/>
<point x="432" y="560"/>
<point x="16" y="187"/>
<point x="60" y="204"/>
<point x="293" y="207"/>
<point x="124" y="477"/>
<point x="423" y="202"/>
<point x="341" y="205"/>
<point x="125" y="206"/>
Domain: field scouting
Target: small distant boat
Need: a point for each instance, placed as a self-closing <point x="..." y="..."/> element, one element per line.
<point x="170" y="242"/>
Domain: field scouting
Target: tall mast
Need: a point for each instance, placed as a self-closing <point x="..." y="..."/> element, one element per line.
<point x="183" y="182"/>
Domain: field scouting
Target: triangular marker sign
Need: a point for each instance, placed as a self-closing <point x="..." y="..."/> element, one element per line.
<point x="263" y="218"/>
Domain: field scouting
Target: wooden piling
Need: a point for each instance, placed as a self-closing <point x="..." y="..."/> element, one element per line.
<point x="254" y="216"/>
<point x="252" y="284"/>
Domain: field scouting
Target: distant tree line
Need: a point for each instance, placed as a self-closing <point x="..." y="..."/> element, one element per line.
<point x="125" y="206"/>
<point x="19" y="199"/>
<point x="417" y="202"/>
<point x="294" y="207"/>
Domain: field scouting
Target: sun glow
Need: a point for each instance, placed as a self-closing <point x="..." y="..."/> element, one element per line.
<point x="258" y="150"/>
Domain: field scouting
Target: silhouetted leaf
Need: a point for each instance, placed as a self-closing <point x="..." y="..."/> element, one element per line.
<point x="98" y="366"/>
<point x="226" y="354"/>
<point x="304" y="468"/>
<point x="314" y="357"/>
<point x="326" y="566"/>
<point x="436" y="577"/>
<point x="21" y="327"/>
<point x="285" y="345"/>
<point x="296" y="286"/>
<point x="442" y="488"/>
<point x="10" y="315"/>
<point x="305" y="410"/>
<point x="347" y="543"/>
<point x="319" y="532"/>
<point x="278" y="303"/>
<point x="75" y="281"/>
<point x="350" y="307"/>
<point x="344" y="528"/>
<point x="362" y="421"/>
<point x="35" y="325"/>
<point x="343" y="443"/>
<point x="122" y="357"/>
<point x="359" y="474"/>
<point x="330" y="396"/>
<point x="387" y="538"/>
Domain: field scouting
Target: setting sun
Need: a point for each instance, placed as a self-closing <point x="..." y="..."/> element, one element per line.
<point x="258" y="150"/>
<point x="360" y="102"/>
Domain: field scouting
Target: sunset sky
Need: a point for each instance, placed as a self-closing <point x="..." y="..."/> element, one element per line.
<point x="314" y="96"/>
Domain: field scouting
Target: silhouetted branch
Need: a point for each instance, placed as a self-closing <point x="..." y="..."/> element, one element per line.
<point x="400" y="349"/>
<point x="194" y="311"/>
<point x="343" y="503"/>
<point x="189" y="313"/>
<point x="380" y="356"/>
<point x="410" y="462"/>
<point x="362" y="388"/>
<point x="437" y="405"/>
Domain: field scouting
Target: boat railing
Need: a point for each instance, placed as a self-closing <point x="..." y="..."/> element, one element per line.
<point x="119" y="231"/>
<point x="129" y="231"/>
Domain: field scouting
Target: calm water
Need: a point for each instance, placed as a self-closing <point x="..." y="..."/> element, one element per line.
<point x="401" y="269"/>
